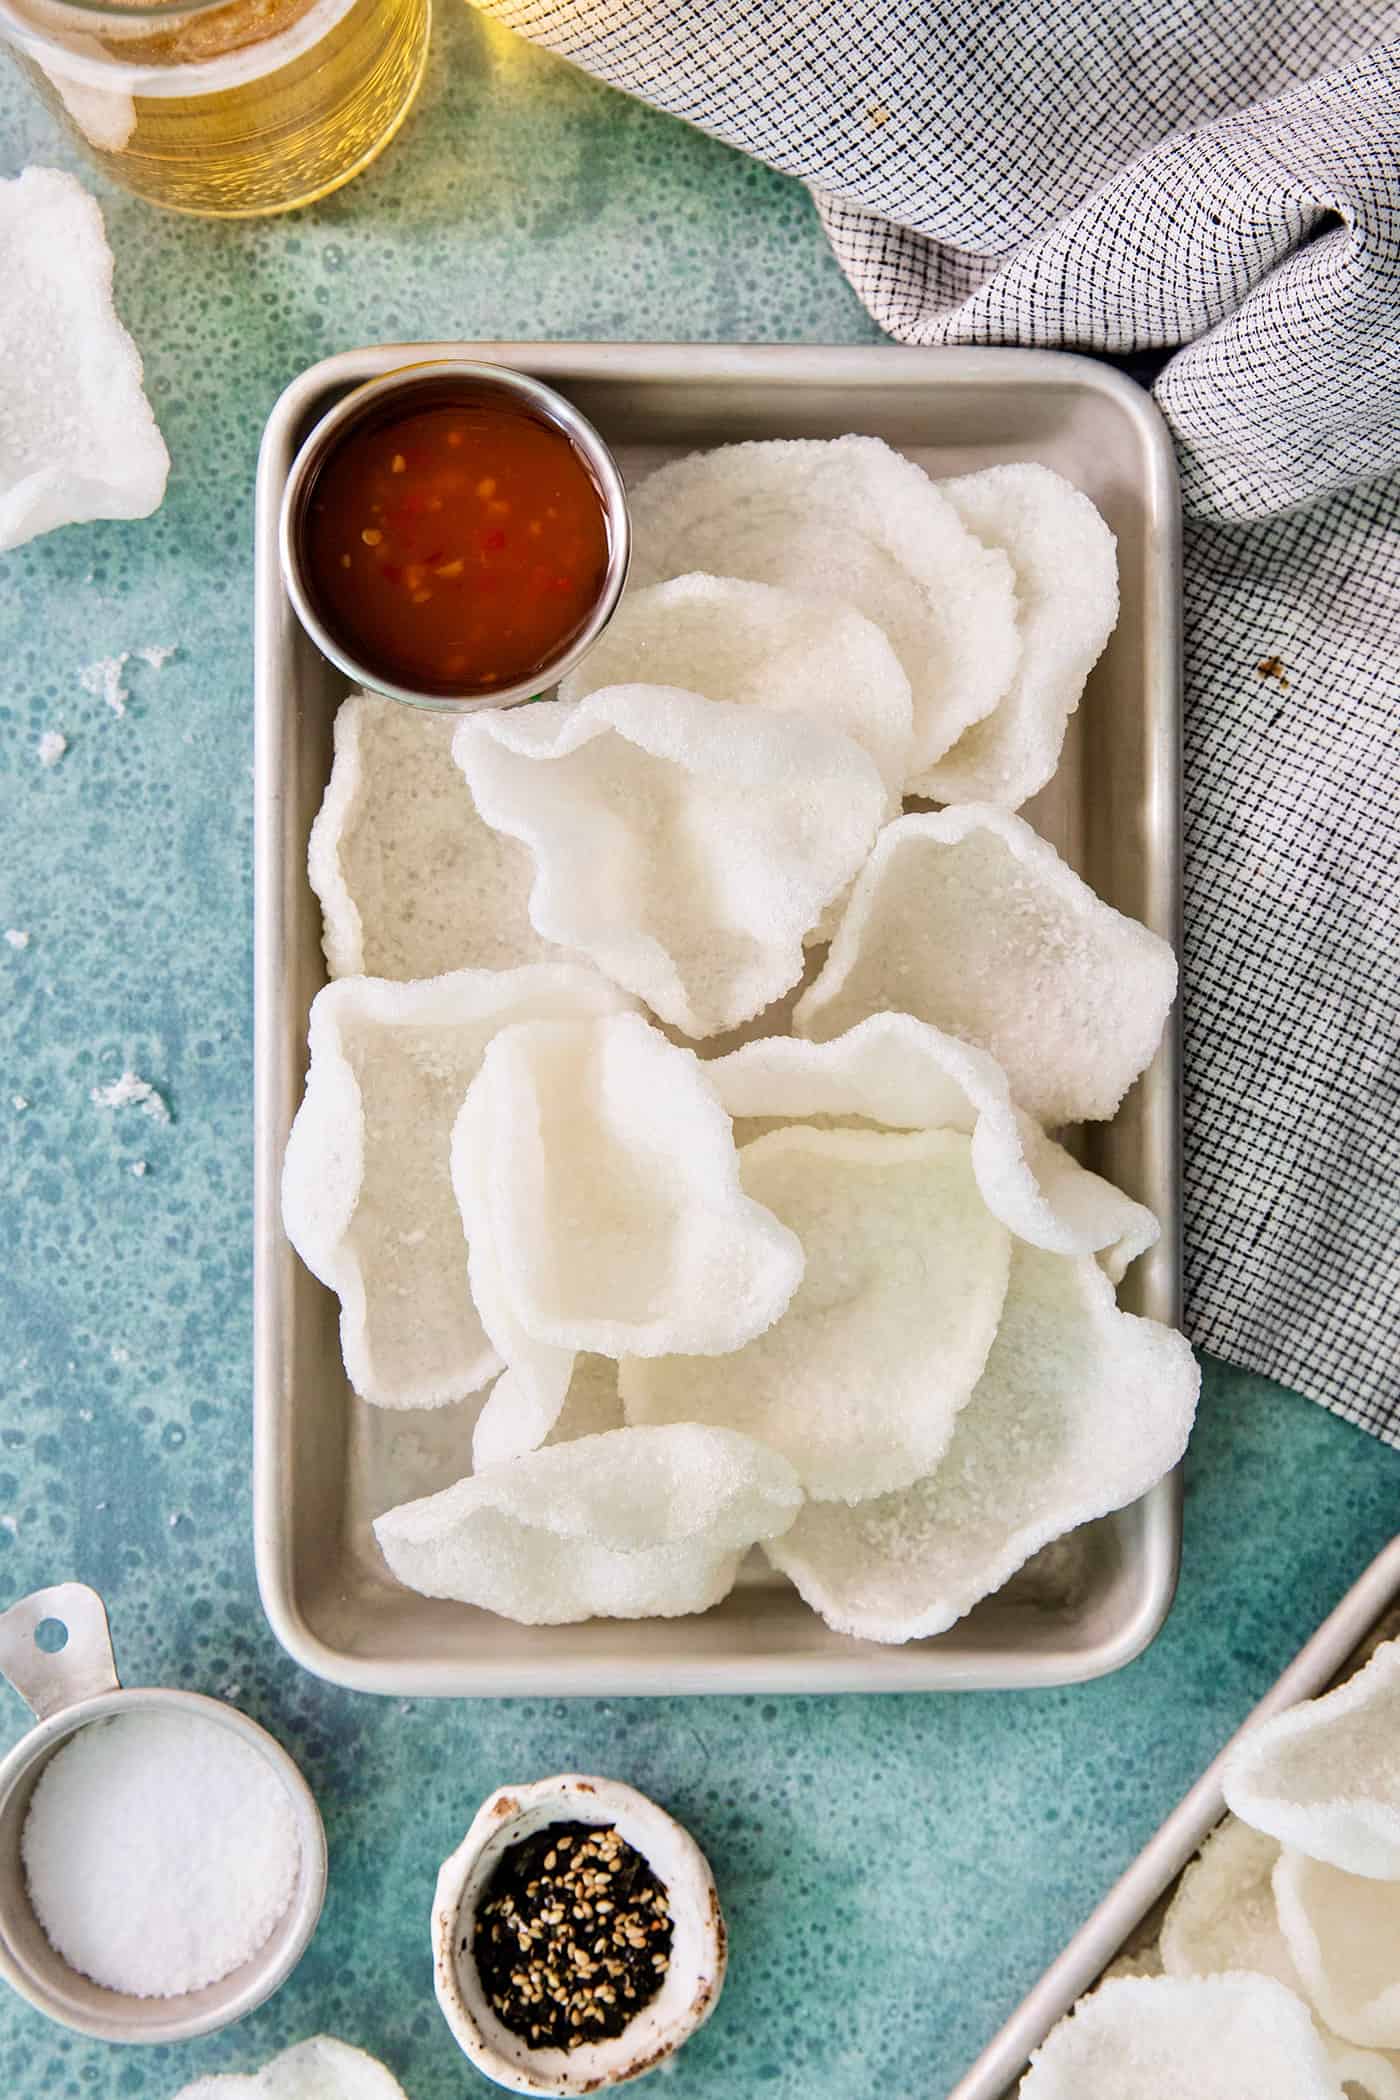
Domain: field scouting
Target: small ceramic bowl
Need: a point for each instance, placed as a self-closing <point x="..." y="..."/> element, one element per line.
<point x="693" y="1980"/>
<point x="66" y="1690"/>
<point x="421" y="385"/>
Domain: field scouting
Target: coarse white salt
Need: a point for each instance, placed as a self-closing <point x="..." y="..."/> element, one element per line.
<point x="160" y="1850"/>
<point x="138" y="1167"/>
<point x="17" y="937"/>
<point x="104" y="681"/>
<point x="129" y="1091"/>
<point x="51" y="747"/>
<point x="157" y="654"/>
<point x="21" y="1103"/>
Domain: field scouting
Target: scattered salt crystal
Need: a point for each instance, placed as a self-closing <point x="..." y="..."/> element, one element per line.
<point x="157" y="654"/>
<point x="120" y="1354"/>
<point x="21" y="1104"/>
<point x="138" y="1167"/>
<point x="17" y="937"/>
<point x="229" y="1691"/>
<point x="103" y="680"/>
<point x="160" y="1851"/>
<point x="131" y="1090"/>
<point x="52" y="745"/>
<point x="85" y="1414"/>
<point x="77" y="437"/>
<point x="11" y="1525"/>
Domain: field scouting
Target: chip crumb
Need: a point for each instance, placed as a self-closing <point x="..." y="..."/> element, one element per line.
<point x="17" y="936"/>
<point x="138" y="1167"/>
<point x="157" y="654"/>
<point x="119" y="1353"/>
<point x="11" y="1525"/>
<point x="103" y="680"/>
<point x="20" y="1102"/>
<point x="131" y="1090"/>
<point x="85" y="1414"/>
<point x="51" y="747"/>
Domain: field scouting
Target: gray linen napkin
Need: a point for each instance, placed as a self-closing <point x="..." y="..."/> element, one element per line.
<point x="1132" y="176"/>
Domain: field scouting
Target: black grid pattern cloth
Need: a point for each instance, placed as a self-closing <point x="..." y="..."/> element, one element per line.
<point x="1218" y="184"/>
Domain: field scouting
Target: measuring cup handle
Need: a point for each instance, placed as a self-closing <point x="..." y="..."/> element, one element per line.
<point x="81" y="1669"/>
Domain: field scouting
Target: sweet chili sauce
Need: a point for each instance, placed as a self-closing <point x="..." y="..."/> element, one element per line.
<point x="458" y="546"/>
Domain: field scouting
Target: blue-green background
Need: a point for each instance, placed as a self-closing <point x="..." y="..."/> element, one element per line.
<point x="896" y="1871"/>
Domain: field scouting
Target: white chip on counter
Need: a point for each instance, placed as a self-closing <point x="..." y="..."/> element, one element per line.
<point x="320" y="2069"/>
<point x="860" y="1383"/>
<point x="849" y="521"/>
<point x="1081" y="1409"/>
<point x="596" y="1171"/>
<point x="1343" y="1932"/>
<point x="969" y="920"/>
<point x="1184" y="2038"/>
<point x="412" y="883"/>
<point x="77" y="437"/>
<point x="1324" y="1778"/>
<point x="1066" y="567"/>
<point x="905" y="1075"/>
<point x="636" y="1523"/>
<point x="1223" y="1916"/>
<point x="366" y="1184"/>
<point x="759" y="646"/>
<point x="683" y="845"/>
<point x="160" y="1849"/>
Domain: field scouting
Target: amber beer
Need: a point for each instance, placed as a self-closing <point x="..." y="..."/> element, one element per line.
<point x="229" y="109"/>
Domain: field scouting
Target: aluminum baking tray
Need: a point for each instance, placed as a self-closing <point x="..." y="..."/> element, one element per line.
<point x="325" y="1463"/>
<point x="1131" y="1911"/>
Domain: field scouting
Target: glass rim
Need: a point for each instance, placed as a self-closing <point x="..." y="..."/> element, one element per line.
<point x="114" y="11"/>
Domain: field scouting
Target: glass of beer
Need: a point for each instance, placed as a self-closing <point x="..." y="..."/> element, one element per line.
<point x="225" y="108"/>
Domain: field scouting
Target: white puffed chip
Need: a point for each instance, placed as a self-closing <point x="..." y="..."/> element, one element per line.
<point x="1066" y="567"/>
<point x="1223" y="1916"/>
<point x="632" y="1524"/>
<point x="970" y="921"/>
<point x="320" y="2069"/>
<point x="684" y="845"/>
<point x="412" y="883"/>
<point x="1238" y="2037"/>
<point x="1324" y="1777"/>
<point x="595" y="1160"/>
<point x="1081" y="1409"/>
<point x="906" y="1075"/>
<point x="860" y="1383"/>
<point x="850" y="521"/>
<point x="760" y="646"/>
<point x="367" y="1196"/>
<point x="1343" y="1932"/>
<point x="77" y="437"/>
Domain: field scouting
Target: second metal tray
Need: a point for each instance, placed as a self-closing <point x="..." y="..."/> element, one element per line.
<point x="1126" y="1909"/>
<point x="325" y="1463"/>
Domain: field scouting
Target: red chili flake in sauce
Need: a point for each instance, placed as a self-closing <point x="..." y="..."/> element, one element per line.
<point x="459" y="546"/>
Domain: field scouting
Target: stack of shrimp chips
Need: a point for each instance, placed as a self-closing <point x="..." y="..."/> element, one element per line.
<point x="684" y="1118"/>
<point x="1289" y="1916"/>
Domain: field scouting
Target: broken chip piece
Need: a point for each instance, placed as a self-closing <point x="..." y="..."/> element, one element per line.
<point x="78" y="440"/>
<point x="970" y="921"/>
<point x="683" y="845"/>
<point x="631" y="1524"/>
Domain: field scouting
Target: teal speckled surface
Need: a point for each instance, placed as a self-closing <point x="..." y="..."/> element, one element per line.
<point x="897" y="1871"/>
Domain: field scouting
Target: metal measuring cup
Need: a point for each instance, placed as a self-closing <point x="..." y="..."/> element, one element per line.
<point x="67" y="1690"/>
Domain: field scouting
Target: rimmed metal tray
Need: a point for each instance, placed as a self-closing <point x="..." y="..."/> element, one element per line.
<point x="1130" y="1912"/>
<point x="324" y="1463"/>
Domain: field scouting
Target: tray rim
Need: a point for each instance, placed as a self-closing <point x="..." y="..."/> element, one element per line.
<point x="923" y="1670"/>
<point x="1175" y="1842"/>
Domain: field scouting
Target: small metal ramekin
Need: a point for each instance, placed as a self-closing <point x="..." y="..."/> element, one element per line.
<point x="439" y="376"/>
<point x="66" y="1691"/>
